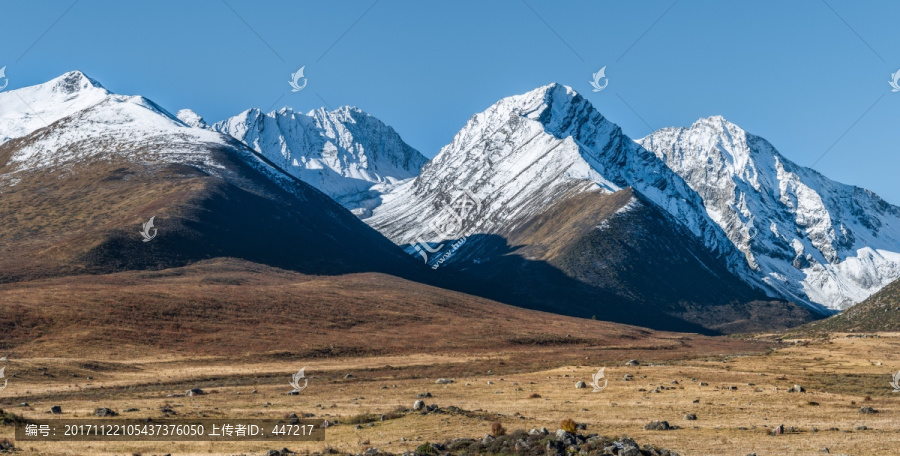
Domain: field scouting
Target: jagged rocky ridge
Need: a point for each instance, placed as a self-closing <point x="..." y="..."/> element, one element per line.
<point x="347" y="154"/>
<point x="553" y="204"/>
<point x="809" y="238"/>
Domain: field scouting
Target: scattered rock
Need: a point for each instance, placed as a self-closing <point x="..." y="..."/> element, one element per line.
<point x="690" y="417"/>
<point x="564" y="437"/>
<point x="56" y="410"/>
<point x="194" y="392"/>
<point x="348" y="376"/>
<point x="418" y="405"/>
<point x="24" y="404"/>
<point x="704" y="384"/>
<point x="423" y="395"/>
<point x="862" y="428"/>
<point x="867" y="410"/>
<point x="797" y="389"/>
<point x="633" y="362"/>
<point x="627" y="377"/>
<point x="103" y="411"/>
<point x="657" y="426"/>
<point x="580" y="385"/>
<point x="444" y="381"/>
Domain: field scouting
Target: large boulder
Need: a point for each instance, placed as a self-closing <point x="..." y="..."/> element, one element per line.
<point x="657" y="426"/>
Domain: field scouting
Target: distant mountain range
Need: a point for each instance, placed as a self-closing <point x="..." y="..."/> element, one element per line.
<point x="539" y="201"/>
<point x="347" y="154"/>
<point x="76" y="185"/>
<point x="780" y="228"/>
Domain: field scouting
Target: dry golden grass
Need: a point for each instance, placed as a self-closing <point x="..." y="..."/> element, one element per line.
<point x="230" y="327"/>
<point x="838" y="374"/>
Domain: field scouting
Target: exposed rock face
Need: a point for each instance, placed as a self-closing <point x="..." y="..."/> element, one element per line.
<point x="347" y="154"/>
<point x="807" y="237"/>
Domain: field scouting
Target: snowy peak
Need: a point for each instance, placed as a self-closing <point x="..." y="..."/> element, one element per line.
<point x="27" y="109"/>
<point x="191" y="118"/>
<point x="346" y="153"/>
<point x="74" y="82"/>
<point x="559" y="108"/>
<point x="812" y="239"/>
<point x="526" y="152"/>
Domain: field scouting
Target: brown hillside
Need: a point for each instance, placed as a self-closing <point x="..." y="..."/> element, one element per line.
<point x="232" y="307"/>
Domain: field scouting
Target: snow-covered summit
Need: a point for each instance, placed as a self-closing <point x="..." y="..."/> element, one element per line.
<point x="524" y="154"/>
<point x="812" y="239"/>
<point x="25" y="110"/>
<point x="191" y="118"/>
<point x="346" y="153"/>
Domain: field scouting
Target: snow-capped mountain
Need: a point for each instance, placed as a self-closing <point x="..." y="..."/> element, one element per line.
<point x="77" y="114"/>
<point x="25" y="110"/>
<point x="77" y="188"/>
<point x="553" y="205"/>
<point x="808" y="237"/>
<point x="191" y="118"/>
<point x="346" y="153"/>
<point x="526" y="151"/>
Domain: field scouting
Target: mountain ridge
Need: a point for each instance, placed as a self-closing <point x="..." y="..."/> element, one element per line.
<point x="76" y="191"/>
<point x="818" y="241"/>
<point x="345" y="153"/>
<point x="547" y="152"/>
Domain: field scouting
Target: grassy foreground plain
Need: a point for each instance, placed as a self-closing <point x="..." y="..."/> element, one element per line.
<point x="840" y="376"/>
<point x="140" y="340"/>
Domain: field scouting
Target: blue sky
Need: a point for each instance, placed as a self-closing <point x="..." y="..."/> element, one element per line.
<point x="808" y="75"/>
